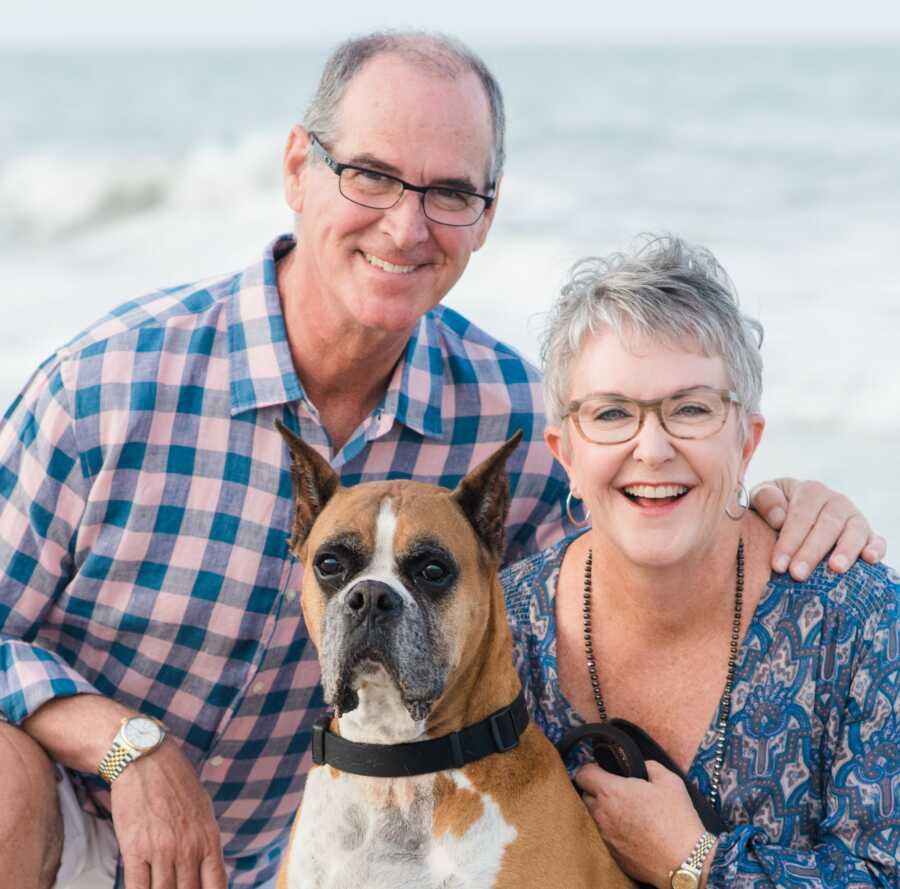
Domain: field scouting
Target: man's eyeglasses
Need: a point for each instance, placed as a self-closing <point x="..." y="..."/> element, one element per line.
<point x="613" y="419"/>
<point x="380" y="191"/>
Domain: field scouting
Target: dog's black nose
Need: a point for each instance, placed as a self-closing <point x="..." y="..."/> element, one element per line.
<point x="373" y="600"/>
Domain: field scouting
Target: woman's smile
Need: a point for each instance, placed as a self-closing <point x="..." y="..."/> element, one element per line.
<point x="655" y="498"/>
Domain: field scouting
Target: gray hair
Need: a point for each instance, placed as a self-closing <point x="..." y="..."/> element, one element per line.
<point x="437" y="54"/>
<point x="666" y="289"/>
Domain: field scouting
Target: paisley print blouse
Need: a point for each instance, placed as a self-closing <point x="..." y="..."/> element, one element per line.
<point x="810" y="784"/>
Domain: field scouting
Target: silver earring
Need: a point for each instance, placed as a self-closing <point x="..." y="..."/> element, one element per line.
<point x="572" y="519"/>
<point x="743" y="502"/>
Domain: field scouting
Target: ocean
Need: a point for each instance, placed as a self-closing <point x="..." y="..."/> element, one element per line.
<point x="124" y="171"/>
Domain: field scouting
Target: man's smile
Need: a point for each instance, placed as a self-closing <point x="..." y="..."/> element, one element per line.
<point x="386" y="266"/>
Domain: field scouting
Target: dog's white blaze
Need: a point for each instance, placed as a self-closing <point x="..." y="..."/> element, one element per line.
<point x="382" y="565"/>
<point x="385" y="528"/>
<point x="346" y="840"/>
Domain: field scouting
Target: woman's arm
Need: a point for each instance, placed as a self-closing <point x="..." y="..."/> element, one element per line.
<point x="858" y="838"/>
<point x="651" y="826"/>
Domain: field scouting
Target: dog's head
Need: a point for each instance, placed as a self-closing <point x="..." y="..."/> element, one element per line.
<point x="397" y="575"/>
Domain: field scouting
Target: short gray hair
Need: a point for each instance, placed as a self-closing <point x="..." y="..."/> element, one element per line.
<point x="435" y="53"/>
<point x="666" y="289"/>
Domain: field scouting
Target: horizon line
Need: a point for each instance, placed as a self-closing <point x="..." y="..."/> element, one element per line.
<point x="626" y="41"/>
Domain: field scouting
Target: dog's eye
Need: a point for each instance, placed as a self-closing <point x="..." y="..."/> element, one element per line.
<point x="434" y="572"/>
<point x="429" y="568"/>
<point x="435" y="575"/>
<point x="328" y="566"/>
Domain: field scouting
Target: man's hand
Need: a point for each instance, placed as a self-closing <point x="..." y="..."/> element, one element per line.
<point x="812" y="519"/>
<point x="163" y="818"/>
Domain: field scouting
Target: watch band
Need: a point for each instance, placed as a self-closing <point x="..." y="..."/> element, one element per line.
<point x="119" y="756"/>
<point x="701" y="850"/>
<point x="687" y="874"/>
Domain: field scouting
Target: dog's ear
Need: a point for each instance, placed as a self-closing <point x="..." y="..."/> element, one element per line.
<point x="314" y="484"/>
<point x="483" y="496"/>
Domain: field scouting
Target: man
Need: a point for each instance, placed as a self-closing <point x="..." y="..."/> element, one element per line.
<point x="145" y="499"/>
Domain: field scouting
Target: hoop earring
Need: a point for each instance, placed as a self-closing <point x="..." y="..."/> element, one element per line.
<point x="572" y="519"/>
<point x="743" y="502"/>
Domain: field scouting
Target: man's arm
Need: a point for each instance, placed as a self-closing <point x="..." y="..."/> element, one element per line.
<point x="42" y="499"/>
<point x="811" y="520"/>
<point x="163" y="817"/>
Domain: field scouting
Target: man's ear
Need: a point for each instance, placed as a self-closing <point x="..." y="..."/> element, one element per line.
<point x="484" y="224"/>
<point x="294" y="166"/>
<point x="315" y="482"/>
<point x="483" y="495"/>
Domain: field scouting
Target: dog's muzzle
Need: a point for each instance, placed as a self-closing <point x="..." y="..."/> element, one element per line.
<point x="370" y="626"/>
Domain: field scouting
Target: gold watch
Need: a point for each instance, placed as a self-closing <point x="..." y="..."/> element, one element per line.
<point x="687" y="874"/>
<point x="137" y="736"/>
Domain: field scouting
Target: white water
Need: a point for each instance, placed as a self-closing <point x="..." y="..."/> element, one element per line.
<point x="122" y="173"/>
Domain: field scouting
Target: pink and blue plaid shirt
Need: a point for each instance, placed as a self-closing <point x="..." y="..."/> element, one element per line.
<point x="145" y="503"/>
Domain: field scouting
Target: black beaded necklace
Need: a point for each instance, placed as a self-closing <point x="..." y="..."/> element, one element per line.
<point x="724" y="701"/>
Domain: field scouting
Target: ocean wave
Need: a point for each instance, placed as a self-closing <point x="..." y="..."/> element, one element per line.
<point x="47" y="195"/>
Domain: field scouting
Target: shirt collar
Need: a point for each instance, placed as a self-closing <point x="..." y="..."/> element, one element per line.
<point x="262" y="370"/>
<point x="414" y="393"/>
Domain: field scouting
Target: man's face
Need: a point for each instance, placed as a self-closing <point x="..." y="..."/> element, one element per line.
<point x="383" y="269"/>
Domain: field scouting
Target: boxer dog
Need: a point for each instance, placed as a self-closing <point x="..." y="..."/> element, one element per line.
<point x="402" y="600"/>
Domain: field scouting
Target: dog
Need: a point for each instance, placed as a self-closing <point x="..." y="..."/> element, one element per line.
<point x="402" y="600"/>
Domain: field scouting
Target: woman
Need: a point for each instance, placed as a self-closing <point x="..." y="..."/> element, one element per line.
<point x="777" y="698"/>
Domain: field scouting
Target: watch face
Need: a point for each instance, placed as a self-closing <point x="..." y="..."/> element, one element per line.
<point x="684" y="879"/>
<point x="142" y="733"/>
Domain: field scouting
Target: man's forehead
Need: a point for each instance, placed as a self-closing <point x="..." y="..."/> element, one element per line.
<point x="394" y="108"/>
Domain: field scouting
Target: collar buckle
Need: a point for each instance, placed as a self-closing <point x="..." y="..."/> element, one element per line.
<point x="320" y="727"/>
<point x="500" y="721"/>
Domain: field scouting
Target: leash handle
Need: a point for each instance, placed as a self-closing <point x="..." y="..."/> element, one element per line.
<point x="614" y="750"/>
<point x="621" y="747"/>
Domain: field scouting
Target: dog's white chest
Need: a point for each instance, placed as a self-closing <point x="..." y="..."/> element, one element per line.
<point x="347" y="840"/>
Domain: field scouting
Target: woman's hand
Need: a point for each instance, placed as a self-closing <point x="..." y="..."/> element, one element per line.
<point x="650" y="826"/>
<point x="812" y="519"/>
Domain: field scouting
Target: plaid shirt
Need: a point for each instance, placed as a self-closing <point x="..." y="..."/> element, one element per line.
<point x="145" y="502"/>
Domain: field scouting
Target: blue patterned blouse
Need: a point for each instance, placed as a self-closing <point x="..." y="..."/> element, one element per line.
<point x="811" y="779"/>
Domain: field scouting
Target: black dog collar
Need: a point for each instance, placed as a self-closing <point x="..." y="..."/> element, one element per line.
<point x="499" y="733"/>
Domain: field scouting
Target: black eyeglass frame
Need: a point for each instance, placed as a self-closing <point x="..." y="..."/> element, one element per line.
<point x="337" y="168"/>
<point x="727" y="395"/>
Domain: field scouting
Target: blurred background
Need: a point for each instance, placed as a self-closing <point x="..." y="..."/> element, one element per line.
<point x="141" y="147"/>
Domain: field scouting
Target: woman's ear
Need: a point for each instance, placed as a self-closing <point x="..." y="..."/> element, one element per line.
<point x="756" y="424"/>
<point x="557" y="440"/>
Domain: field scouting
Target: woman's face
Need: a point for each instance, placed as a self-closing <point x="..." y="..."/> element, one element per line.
<point x="654" y="531"/>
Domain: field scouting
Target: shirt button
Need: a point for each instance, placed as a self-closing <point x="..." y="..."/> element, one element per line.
<point x="290" y="595"/>
<point x="216" y="761"/>
<point x="259" y="687"/>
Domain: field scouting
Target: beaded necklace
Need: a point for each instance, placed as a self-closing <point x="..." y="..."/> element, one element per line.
<point x="724" y="701"/>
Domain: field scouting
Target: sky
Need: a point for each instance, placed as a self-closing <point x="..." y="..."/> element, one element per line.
<point x="169" y="23"/>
